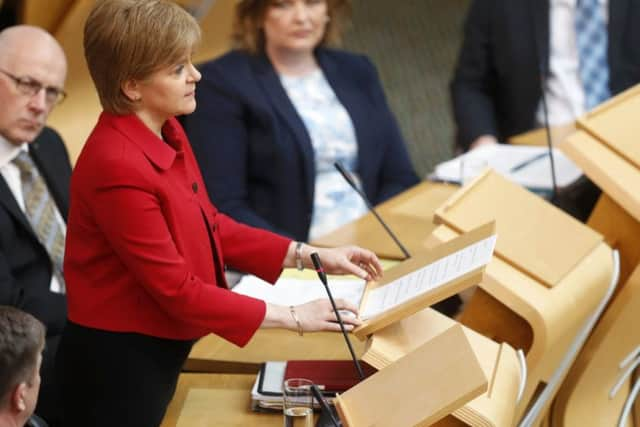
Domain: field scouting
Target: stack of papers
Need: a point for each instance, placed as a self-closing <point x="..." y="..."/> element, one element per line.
<point x="296" y="291"/>
<point x="429" y="277"/>
<point x="528" y="166"/>
<point x="266" y="393"/>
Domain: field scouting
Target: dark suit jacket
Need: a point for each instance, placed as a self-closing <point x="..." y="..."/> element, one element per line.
<point x="254" y="150"/>
<point x="497" y="84"/>
<point x="25" y="266"/>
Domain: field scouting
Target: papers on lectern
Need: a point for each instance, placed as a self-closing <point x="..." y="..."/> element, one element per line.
<point x="528" y="166"/>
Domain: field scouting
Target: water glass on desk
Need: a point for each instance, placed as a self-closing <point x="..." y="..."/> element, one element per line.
<point x="297" y="403"/>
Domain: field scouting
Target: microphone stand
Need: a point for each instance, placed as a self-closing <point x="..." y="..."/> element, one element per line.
<point x="323" y="278"/>
<point x="545" y="112"/>
<point x="353" y="185"/>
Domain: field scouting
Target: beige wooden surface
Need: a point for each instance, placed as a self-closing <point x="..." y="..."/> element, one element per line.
<point x="223" y="400"/>
<point x="436" y="378"/>
<point x="409" y="215"/>
<point x="613" y="174"/>
<point x="220" y="400"/>
<point x="539" y="136"/>
<point x="584" y="397"/>
<point x="46" y="14"/>
<point x="549" y="317"/>
<point x="527" y="227"/>
<point x="496" y="407"/>
<point x="615" y="123"/>
<point x="213" y="354"/>
<point x="620" y="230"/>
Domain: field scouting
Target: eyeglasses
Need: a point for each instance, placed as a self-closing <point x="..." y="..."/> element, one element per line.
<point x="31" y="87"/>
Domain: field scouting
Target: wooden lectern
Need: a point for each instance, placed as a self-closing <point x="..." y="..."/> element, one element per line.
<point x="548" y="280"/>
<point x="500" y="364"/>
<point x="419" y="388"/>
<point x="599" y="384"/>
<point x="606" y="148"/>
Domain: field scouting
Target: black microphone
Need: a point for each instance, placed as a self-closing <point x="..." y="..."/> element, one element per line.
<point x="542" y="55"/>
<point x="323" y="278"/>
<point x="353" y="185"/>
<point x="545" y="113"/>
<point x="324" y="408"/>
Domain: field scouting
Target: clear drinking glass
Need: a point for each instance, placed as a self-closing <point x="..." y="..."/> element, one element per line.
<point x="297" y="403"/>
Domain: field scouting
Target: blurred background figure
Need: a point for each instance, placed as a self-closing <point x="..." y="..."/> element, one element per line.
<point x="34" y="190"/>
<point x="276" y="113"/>
<point x="578" y="52"/>
<point x="21" y="344"/>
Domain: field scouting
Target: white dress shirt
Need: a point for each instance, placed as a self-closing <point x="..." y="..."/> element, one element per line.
<point x="11" y="175"/>
<point x="564" y="92"/>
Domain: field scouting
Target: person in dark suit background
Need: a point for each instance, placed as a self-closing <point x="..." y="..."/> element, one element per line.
<point x="515" y="49"/>
<point x="276" y="113"/>
<point x="33" y="203"/>
<point x="21" y="345"/>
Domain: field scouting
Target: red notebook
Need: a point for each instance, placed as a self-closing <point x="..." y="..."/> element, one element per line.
<point x="336" y="376"/>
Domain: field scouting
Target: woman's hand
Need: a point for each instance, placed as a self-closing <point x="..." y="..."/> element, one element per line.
<point x="317" y="315"/>
<point x="342" y="260"/>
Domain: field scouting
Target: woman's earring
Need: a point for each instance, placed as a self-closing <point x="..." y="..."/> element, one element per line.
<point x="327" y="18"/>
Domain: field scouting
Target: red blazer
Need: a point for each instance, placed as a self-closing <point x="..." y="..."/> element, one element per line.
<point x="139" y="256"/>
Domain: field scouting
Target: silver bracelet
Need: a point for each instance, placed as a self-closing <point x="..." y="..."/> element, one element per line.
<point x="292" y="310"/>
<point x="298" y="252"/>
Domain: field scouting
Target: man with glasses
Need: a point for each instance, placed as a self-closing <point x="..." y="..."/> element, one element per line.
<point x="34" y="180"/>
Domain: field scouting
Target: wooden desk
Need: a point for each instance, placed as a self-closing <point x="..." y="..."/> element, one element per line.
<point x="224" y="400"/>
<point x="539" y="136"/>
<point x="213" y="354"/>
<point x="409" y="215"/>
<point x="218" y="400"/>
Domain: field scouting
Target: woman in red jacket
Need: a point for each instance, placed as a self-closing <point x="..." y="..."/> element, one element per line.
<point x="146" y="250"/>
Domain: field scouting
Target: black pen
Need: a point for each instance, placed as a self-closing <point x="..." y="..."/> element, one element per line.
<point x="527" y="162"/>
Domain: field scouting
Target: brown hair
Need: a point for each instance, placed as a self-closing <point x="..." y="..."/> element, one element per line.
<point x="249" y="15"/>
<point x="21" y="341"/>
<point x="131" y="39"/>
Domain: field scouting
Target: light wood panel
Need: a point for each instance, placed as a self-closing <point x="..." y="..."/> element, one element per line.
<point x="539" y="136"/>
<point x="585" y="398"/>
<point x="47" y="15"/>
<point x="75" y="118"/>
<point x="271" y="344"/>
<point x="552" y="316"/>
<point x="527" y="226"/>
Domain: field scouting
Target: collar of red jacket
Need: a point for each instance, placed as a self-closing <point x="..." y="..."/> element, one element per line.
<point x="160" y="152"/>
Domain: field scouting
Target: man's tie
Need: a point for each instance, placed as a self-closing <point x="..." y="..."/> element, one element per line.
<point x="591" y="38"/>
<point x="41" y="212"/>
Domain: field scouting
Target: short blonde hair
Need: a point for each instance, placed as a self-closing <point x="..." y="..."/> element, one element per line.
<point x="249" y="16"/>
<point x="131" y="39"/>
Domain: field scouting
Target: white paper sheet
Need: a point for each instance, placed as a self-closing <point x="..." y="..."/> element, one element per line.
<point x="290" y="291"/>
<point x="429" y="277"/>
<point x="528" y="166"/>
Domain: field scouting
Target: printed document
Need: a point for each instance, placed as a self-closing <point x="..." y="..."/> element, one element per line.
<point x="428" y="278"/>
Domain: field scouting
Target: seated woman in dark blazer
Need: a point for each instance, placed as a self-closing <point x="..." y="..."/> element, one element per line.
<point x="146" y="249"/>
<point x="274" y="115"/>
